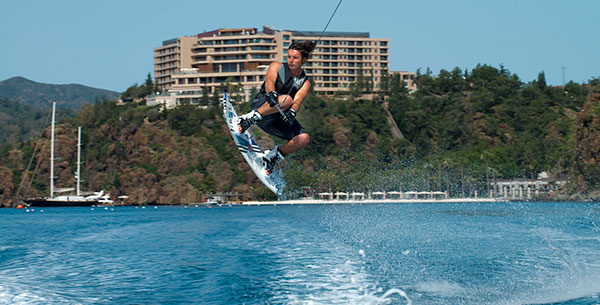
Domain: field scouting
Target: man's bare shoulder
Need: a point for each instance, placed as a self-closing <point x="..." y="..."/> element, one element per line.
<point x="275" y="65"/>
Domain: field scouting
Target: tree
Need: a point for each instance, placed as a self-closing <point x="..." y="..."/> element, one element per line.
<point x="253" y="93"/>
<point x="148" y="85"/>
<point x="205" y="99"/>
<point x="384" y="83"/>
<point x="228" y="86"/>
<point x="216" y="98"/>
<point x="541" y="80"/>
<point x="136" y="91"/>
<point x="396" y="84"/>
<point x="359" y="85"/>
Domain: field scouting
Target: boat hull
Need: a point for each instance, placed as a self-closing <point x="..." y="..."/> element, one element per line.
<point x="60" y="203"/>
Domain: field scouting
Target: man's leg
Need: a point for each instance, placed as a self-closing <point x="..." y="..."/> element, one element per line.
<point x="273" y="157"/>
<point x="294" y="144"/>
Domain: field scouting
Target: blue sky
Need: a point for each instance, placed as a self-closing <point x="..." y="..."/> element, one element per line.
<point x="108" y="44"/>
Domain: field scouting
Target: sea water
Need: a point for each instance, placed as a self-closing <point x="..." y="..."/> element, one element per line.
<point x="416" y="253"/>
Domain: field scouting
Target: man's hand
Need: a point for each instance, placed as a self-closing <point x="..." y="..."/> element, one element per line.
<point x="290" y="117"/>
<point x="272" y="98"/>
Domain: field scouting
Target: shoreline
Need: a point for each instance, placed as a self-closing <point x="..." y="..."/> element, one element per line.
<point x="370" y="201"/>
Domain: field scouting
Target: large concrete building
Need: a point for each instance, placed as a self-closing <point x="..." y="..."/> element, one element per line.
<point x="187" y="66"/>
<point x="170" y="58"/>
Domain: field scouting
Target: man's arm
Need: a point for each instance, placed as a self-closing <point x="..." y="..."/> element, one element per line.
<point x="272" y="76"/>
<point x="290" y="114"/>
<point x="300" y="95"/>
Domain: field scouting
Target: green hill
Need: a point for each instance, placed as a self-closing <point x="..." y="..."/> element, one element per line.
<point x="19" y="122"/>
<point x="459" y="130"/>
<point x="41" y="95"/>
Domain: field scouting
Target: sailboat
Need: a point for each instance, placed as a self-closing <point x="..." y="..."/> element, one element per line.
<point x="92" y="199"/>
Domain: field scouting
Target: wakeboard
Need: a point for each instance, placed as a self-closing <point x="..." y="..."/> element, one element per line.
<point x="251" y="151"/>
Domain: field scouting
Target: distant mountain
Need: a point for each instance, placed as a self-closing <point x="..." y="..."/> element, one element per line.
<point x="41" y="95"/>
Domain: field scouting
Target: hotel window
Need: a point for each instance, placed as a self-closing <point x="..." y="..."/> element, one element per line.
<point x="286" y="37"/>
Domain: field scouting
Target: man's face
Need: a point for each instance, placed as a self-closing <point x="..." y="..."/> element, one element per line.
<point x="294" y="59"/>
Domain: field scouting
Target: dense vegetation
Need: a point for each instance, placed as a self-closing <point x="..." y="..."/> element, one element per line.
<point x="140" y="91"/>
<point x="19" y="122"/>
<point x="459" y="131"/>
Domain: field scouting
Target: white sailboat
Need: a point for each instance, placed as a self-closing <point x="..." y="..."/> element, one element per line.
<point x="91" y="199"/>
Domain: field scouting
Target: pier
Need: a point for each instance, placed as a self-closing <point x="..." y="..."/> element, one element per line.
<point x="370" y="201"/>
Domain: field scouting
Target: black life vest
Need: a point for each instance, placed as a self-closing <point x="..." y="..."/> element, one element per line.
<point x="285" y="83"/>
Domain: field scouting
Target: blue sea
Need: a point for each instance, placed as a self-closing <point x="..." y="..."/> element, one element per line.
<point x="417" y="253"/>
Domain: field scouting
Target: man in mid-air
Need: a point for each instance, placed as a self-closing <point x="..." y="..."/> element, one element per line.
<point x="286" y="86"/>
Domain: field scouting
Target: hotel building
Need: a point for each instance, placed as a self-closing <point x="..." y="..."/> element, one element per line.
<point x="186" y="66"/>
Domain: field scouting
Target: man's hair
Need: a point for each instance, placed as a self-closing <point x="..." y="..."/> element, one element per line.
<point x="305" y="47"/>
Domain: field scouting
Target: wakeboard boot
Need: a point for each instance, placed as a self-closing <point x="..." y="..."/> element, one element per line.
<point x="247" y="120"/>
<point x="271" y="158"/>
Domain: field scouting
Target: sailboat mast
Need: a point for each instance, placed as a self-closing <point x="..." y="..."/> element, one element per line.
<point x="52" y="153"/>
<point x="78" y="158"/>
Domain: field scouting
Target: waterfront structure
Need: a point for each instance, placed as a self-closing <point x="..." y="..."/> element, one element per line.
<point x="393" y="195"/>
<point x="526" y="188"/>
<point x="188" y="67"/>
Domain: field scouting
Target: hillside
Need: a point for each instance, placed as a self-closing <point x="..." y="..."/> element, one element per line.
<point x="460" y="130"/>
<point x="41" y="95"/>
<point x="19" y="122"/>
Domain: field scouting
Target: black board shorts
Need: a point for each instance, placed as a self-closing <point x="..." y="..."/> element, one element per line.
<point x="273" y="124"/>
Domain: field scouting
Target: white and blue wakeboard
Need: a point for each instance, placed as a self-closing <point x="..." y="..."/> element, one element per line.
<point x="251" y="150"/>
